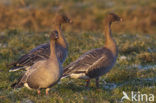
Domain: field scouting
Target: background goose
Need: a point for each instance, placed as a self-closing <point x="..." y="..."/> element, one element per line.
<point x="96" y="62"/>
<point x="44" y="73"/>
<point x="42" y="51"/>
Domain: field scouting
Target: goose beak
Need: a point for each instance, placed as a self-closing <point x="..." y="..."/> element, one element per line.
<point x="121" y="19"/>
<point x="70" y="21"/>
<point x="57" y="37"/>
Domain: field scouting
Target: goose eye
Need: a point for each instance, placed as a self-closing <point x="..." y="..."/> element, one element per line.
<point x="64" y="18"/>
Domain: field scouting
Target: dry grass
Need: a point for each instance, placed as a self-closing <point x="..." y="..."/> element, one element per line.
<point x="87" y="15"/>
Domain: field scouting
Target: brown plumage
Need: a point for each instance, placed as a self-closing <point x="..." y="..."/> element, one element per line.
<point x="42" y="51"/>
<point x="44" y="73"/>
<point x="96" y="62"/>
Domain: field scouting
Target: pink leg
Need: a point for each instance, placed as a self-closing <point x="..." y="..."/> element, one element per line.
<point x="38" y="92"/>
<point x="47" y="91"/>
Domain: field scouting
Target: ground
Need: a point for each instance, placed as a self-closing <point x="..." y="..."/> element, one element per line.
<point x="135" y="69"/>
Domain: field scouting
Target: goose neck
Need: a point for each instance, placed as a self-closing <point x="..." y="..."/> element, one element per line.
<point x="52" y="49"/>
<point x="61" y="39"/>
<point x="109" y="41"/>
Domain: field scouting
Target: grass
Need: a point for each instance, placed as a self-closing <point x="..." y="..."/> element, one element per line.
<point x="87" y="15"/>
<point x="123" y="77"/>
<point x="25" y="27"/>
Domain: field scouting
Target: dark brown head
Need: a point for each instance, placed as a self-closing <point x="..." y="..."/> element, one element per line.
<point x="111" y="17"/>
<point x="54" y="35"/>
<point x="61" y="19"/>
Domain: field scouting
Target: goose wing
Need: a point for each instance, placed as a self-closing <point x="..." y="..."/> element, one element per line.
<point x="24" y="78"/>
<point x="41" y="52"/>
<point x="89" y="61"/>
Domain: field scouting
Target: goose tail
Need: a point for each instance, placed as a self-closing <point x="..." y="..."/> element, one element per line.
<point x="13" y="67"/>
<point x="16" y="68"/>
<point x="65" y="76"/>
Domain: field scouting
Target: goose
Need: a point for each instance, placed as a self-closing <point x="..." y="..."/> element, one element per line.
<point x="44" y="73"/>
<point x="42" y="51"/>
<point x="96" y="62"/>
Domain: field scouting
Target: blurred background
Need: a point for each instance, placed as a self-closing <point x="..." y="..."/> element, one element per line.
<point x="37" y="15"/>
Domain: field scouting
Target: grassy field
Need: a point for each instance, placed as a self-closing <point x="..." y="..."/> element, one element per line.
<point x="29" y="24"/>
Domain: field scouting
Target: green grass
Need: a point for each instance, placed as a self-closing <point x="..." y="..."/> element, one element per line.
<point x="126" y="75"/>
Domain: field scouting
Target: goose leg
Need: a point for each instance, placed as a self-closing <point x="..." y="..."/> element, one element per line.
<point x="87" y="82"/>
<point x="38" y="92"/>
<point x="47" y="91"/>
<point x="97" y="82"/>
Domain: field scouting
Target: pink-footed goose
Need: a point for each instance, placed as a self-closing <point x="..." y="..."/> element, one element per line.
<point x="42" y="51"/>
<point x="96" y="62"/>
<point x="44" y="73"/>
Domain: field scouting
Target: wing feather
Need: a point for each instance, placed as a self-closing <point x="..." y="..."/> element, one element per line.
<point x="41" y="52"/>
<point x="26" y="75"/>
<point x="89" y="61"/>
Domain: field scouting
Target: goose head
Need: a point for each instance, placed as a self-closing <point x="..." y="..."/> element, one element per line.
<point x="112" y="17"/>
<point x="62" y="19"/>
